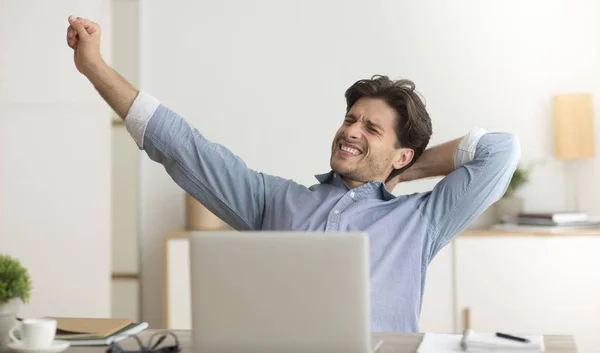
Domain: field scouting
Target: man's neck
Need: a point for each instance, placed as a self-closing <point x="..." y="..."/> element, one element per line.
<point x="351" y="183"/>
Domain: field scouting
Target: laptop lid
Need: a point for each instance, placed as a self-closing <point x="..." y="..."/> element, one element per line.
<point x="280" y="292"/>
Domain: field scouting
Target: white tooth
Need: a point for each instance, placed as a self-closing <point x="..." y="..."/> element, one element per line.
<point x="350" y="150"/>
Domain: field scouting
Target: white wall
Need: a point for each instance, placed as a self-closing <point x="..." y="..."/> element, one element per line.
<point x="266" y="79"/>
<point x="54" y="159"/>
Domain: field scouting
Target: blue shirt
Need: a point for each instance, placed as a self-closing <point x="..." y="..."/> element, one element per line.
<point x="405" y="232"/>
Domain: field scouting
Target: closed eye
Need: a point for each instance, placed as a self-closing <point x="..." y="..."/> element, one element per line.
<point x="373" y="128"/>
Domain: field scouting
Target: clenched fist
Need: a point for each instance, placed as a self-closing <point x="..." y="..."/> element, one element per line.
<point x="83" y="37"/>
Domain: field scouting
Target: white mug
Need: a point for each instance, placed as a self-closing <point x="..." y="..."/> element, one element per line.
<point x="34" y="333"/>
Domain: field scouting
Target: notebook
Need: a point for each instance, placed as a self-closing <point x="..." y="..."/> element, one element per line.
<point x="478" y="342"/>
<point x="130" y="330"/>
<point x="95" y="331"/>
<point x="77" y="327"/>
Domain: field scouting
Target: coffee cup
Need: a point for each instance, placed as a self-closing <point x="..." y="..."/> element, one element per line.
<point x="34" y="333"/>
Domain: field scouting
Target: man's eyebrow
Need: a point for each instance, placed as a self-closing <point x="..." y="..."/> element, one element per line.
<point x="369" y="122"/>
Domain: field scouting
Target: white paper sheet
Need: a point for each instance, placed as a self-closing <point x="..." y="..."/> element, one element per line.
<point x="478" y="342"/>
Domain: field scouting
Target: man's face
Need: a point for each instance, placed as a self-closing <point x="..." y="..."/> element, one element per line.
<point x="365" y="146"/>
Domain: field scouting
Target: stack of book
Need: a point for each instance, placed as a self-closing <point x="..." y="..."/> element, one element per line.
<point x="550" y="221"/>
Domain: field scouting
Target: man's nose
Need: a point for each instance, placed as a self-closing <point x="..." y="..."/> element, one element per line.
<point x="353" y="132"/>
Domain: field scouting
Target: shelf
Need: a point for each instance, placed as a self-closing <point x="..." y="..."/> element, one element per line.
<point x="528" y="231"/>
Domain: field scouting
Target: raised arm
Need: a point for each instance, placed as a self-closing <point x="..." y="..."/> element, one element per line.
<point x="208" y="171"/>
<point x="478" y="169"/>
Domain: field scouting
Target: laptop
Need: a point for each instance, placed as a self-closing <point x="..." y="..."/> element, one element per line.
<point x="280" y="292"/>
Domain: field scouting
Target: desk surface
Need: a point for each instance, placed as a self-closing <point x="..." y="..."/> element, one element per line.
<point x="392" y="343"/>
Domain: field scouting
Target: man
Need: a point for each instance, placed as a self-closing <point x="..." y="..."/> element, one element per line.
<point x="381" y="143"/>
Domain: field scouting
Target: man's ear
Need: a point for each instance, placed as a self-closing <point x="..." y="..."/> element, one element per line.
<point x="403" y="157"/>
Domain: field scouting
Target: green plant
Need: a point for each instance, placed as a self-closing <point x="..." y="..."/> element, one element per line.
<point x="519" y="178"/>
<point x="14" y="280"/>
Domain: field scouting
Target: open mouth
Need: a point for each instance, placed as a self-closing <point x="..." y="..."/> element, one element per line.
<point x="349" y="150"/>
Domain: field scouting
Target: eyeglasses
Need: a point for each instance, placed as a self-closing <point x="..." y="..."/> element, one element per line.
<point x="158" y="338"/>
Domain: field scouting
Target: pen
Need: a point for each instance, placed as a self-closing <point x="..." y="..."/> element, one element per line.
<point x="511" y="337"/>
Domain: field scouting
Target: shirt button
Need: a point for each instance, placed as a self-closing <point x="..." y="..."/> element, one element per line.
<point x="336" y="211"/>
<point x="352" y="194"/>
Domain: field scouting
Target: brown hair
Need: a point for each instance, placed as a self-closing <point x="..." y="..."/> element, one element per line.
<point x="414" y="125"/>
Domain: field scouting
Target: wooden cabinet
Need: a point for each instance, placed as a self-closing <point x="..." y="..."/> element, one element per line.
<point x="530" y="284"/>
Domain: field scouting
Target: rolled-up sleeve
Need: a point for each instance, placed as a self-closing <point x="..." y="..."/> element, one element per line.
<point x="485" y="162"/>
<point x="139" y="114"/>
<point x="468" y="146"/>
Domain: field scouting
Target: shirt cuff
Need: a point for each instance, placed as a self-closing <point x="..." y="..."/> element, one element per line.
<point x="467" y="146"/>
<point x="139" y="114"/>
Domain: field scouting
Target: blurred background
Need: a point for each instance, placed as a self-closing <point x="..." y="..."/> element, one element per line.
<point x="91" y="217"/>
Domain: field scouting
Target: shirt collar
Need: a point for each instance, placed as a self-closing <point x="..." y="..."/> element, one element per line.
<point x="377" y="187"/>
<point x="323" y="178"/>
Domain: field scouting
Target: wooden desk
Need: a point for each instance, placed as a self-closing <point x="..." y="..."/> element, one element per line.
<point x="392" y="343"/>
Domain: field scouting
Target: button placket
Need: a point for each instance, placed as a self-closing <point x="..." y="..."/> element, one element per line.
<point x="333" y="221"/>
<point x="335" y="215"/>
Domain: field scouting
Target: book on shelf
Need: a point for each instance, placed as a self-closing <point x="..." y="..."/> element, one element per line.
<point x="545" y="225"/>
<point x="553" y="217"/>
<point x="95" y="331"/>
<point x="570" y="220"/>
